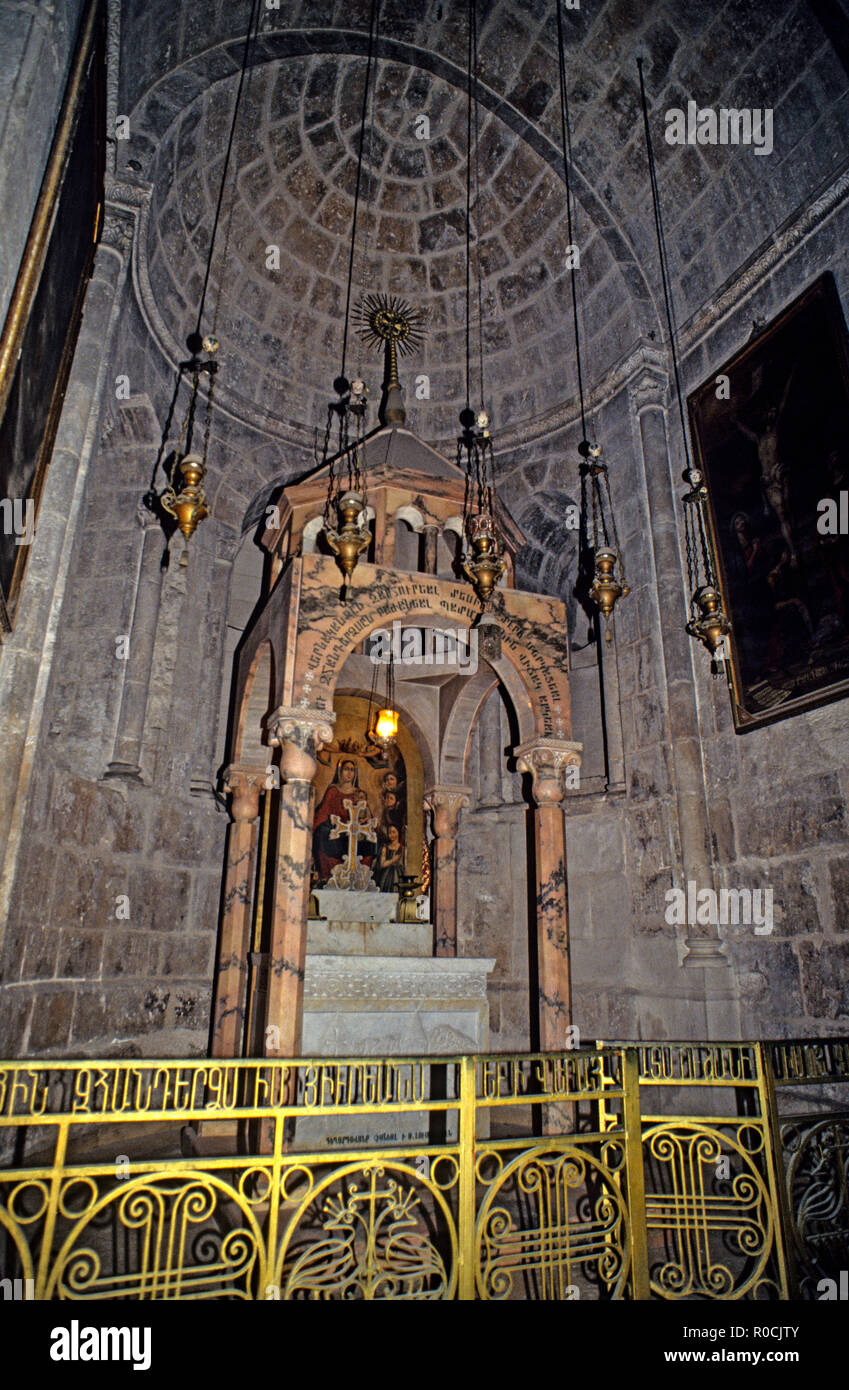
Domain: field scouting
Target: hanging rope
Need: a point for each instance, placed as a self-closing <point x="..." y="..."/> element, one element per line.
<point x="372" y="35"/>
<point x="664" y="265"/>
<point x="232" y="205"/>
<point x="366" y="273"/>
<point x="371" y="700"/>
<point x="469" y="103"/>
<point x="482" y="564"/>
<point x="473" y="172"/>
<point x="253" y="24"/>
<point x="477" y="223"/>
<point x="709" y="623"/>
<point x="567" y="164"/>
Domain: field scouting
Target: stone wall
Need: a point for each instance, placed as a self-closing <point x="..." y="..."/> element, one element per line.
<point x="672" y="789"/>
<point x="111" y="937"/>
<point x="777" y="796"/>
<point x="774" y="799"/>
<point x="492" y="878"/>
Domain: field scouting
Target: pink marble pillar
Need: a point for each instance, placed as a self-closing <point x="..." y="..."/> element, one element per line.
<point x="446" y="803"/>
<point x="431" y="552"/>
<point x="546" y="759"/>
<point x="300" y="733"/>
<point x="244" y="785"/>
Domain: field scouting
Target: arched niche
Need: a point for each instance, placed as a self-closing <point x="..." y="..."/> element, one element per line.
<point x="461" y="716"/>
<point x="412" y="516"/>
<point x="407" y="542"/>
<point x="449" y="547"/>
<point x="250" y="746"/>
<point x="349" y="740"/>
<point x="246" y="582"/>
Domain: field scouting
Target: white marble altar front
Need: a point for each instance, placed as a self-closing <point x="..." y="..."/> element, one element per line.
<point x="374" y="989"/>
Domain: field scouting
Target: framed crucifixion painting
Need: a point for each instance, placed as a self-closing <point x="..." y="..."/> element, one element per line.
<point x="40" y="330"/>
<point x="771" y="435"/>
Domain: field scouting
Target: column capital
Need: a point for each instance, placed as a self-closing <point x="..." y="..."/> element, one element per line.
<point x="446" y="802"/>
<point x="119" y="226"/>
<point x="244" y="785"/>
<point x="647" y="391"/>
<point x="547" y="759"/>
<point x="300" y="733"/>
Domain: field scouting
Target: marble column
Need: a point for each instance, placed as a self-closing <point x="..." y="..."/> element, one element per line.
<point x="245" y="786"/>
<point x="300" y="733"/>
<point x="126" y="752"/>
<point x="431" y="541"/>
<point x="546" y="759"/>
<point x="446" y="803"/>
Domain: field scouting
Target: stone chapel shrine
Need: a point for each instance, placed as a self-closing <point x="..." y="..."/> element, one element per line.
<point x="424" y="654"/>
<point x="352" y="955"/>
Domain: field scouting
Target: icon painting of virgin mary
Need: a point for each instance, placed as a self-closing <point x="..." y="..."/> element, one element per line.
<point x="329" y="848"/>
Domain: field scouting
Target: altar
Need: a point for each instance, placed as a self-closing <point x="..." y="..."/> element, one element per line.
<point x="339" y="932"/>
<point x="374" y="988"/>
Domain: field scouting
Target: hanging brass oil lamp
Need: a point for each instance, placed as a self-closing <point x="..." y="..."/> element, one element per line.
<point x="483" y="564"/>
<point x="350" y="537"/>
<point x="708" y="625"/>
<point x="188" y="507"/>
<point x="606" y="588"/>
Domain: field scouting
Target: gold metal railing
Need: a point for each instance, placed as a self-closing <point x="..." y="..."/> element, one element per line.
<point x="666" y="1170"/>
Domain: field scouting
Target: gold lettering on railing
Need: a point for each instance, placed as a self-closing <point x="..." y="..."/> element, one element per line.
<point x="696" y="1062"/>
<point x="183" y="1088"/>
<point x="371" y="1085"/>
<point x="181" y="1091"/>
<point x="310" y="1097"/>
<point x="82" y="1091"/>
<point x="39" y="1092"/>
<point x="198" y="1082"/>
<point x="692" y="1218"/>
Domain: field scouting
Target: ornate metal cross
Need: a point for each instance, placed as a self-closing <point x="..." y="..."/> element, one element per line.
<point x="360" y="825"/>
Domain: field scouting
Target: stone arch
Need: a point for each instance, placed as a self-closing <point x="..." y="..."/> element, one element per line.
<point x="309" y="535"/>
<point x="464" y="712"/>
<point x="461" y="719"/>
<point x="412" y="724"/>
<point x="413" y="517"/>
<point x="328" y="658"/>
<point x="165" y="119"/>
<point x="162" y="102"/>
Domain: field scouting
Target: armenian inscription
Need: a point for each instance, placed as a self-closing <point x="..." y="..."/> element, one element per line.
<point x="533" y="630"/>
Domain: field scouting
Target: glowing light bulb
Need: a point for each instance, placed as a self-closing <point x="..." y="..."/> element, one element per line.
<point x="386" y="725"/>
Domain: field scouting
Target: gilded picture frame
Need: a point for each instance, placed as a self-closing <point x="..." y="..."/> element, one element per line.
<point x="42" y="322"/>
<point x="770" y="431"/>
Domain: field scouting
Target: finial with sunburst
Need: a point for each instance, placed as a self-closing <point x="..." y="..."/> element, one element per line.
<point x="391" y="321"/>
<point x="386" y="318"/>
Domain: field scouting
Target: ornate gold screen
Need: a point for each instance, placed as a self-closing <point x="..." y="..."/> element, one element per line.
<point x="677" y="1178"/>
